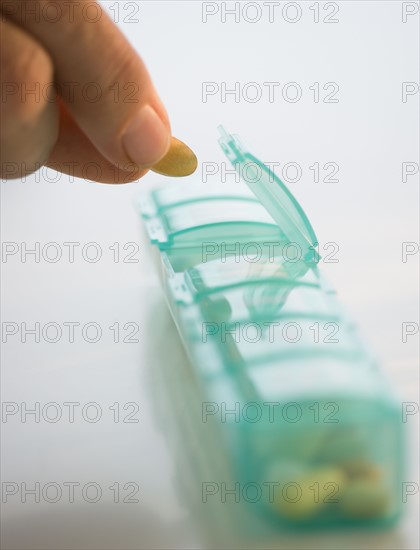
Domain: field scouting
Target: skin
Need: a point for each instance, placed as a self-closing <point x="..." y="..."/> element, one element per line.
<point x="60" y="128"/>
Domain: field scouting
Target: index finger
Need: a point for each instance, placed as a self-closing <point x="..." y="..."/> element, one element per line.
<point x="103" y="82"/>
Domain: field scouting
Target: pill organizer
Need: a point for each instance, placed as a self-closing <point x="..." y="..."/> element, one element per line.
<point x="302" y="411"/>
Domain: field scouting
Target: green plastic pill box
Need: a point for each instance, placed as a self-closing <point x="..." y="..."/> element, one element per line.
<point x="302" y="408"/>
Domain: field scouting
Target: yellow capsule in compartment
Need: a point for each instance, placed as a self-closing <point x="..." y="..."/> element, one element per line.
<point x="366" y="495"/>
<point x="306" y="496"/>
<point x="365" y="499"/>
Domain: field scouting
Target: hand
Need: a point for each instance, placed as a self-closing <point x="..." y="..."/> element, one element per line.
<point x="75" y="95"/>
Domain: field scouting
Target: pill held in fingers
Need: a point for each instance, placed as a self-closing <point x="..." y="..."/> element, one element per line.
<point x="179" y="160"/>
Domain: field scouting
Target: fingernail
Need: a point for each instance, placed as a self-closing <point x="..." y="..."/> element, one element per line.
<point x="146" y="138"/>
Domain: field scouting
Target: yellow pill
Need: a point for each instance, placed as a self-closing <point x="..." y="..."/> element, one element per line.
<point x="361" y="469"/>
<point x="365" y="499"/>
<point x="179" y="160"/>
<point x="316" y="490"/>
<point x="303" y="496"/>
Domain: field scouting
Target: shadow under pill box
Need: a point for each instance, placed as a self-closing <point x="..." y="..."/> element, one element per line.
<point x="315" y="420"/>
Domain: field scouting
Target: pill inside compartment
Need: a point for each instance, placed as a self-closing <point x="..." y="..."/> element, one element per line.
<point x="331" y="445"/>
<point x="329" y="437"/>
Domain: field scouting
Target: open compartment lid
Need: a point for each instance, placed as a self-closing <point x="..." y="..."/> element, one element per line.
<point x="273" y="195"/>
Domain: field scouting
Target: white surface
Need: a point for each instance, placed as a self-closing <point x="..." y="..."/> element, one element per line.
<point x="369" y="213"/>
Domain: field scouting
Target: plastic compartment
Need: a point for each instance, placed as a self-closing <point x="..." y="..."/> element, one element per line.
<point x="332" y="456"/>
<point x="333" y="451"/>
<point x="157" y="201"/>
<point x="193" y="224"/>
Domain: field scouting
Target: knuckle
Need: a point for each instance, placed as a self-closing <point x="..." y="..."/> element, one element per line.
<point x="27" y="84"/>
<point x="123" y="72"/>
<point x="25" y="149"/>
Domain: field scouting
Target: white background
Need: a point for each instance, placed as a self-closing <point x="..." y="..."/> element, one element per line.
<point x="369" y="213"/>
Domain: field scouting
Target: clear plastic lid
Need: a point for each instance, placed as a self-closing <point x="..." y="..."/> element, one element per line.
<point x="273" y="195"/>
